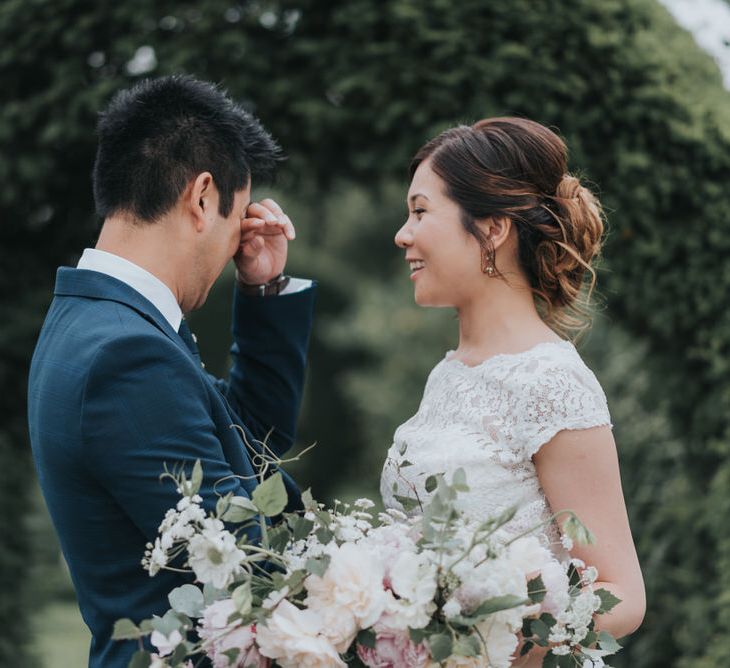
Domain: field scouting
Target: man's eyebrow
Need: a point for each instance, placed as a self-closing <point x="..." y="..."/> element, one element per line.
<point x="414" y="196"/>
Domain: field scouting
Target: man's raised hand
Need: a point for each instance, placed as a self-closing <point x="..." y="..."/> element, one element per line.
<point x="265" y="234"/>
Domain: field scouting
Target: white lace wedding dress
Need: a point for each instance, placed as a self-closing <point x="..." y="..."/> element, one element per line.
<point x="490" y="420"/>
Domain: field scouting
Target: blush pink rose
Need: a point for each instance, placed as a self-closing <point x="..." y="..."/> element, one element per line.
<point x="394" y="649"/>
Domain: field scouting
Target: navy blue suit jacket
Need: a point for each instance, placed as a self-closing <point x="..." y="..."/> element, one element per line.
<point x="114" y="395"/>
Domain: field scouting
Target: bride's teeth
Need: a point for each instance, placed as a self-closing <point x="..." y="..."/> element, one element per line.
<point x="416" y="264"/>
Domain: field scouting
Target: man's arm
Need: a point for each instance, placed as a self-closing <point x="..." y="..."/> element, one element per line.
<point x="145" y="406"/>
<point x="271" y="337"/>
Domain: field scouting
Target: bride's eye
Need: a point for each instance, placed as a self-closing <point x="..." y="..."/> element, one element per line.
<point x="418" y="212"/>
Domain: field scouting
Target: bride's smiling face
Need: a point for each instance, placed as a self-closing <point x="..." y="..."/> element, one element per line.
<point x="444" y="259"/>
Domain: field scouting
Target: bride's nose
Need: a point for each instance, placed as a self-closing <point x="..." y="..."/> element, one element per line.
<point x="404" y="236"/>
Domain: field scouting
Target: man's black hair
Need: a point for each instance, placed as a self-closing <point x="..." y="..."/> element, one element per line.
<point x="161" y="133"/>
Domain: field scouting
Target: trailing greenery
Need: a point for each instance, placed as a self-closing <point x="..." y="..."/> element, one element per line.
<point x="351" y="89"/>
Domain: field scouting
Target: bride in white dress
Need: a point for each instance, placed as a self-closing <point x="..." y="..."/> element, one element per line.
<point x="500" y="231"/>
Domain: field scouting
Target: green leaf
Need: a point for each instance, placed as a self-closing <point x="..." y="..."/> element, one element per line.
<point x="366" y="638"/>
<point x="140" y="659"/>
<point x="324" y="535"/>
<point x="232" y="655"/>
<point x="166" y="624"/>
<point x="187" y="599"/>
<point x="417" y="635"/>
<point x="466" y="646"/>
<point x="318" y="566"/>
<point x="608" y="600"/>
<point x="608" y="642"/>
<point x="407" y="502"/>
<point x="270" y="496"/>
<point x="301" y="527"/>
<point x="279" y="538"/>
<point x="126" y="629"/>
<point x="222" y="504"/>
<point x="526" y="647"/>
<point x="541" y="630"/>
<point x="498" y="603"/>
<point x="240" y="509"/>
<point x="550" y="661"/>
<point x="431" y="483"/>
<point x="308" y="500"/>
<point x="440" y="646"/>
<point x="179" y="654"/>
<point x="578" y="531"/>
<point x="536" y="589"/>
<point x="458" y="482"/>
<point x="212" y="594"/>
<point x="242" y="598"/>
<point x="197" y="478"/>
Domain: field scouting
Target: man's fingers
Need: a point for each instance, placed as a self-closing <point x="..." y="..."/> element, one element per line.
<point x="272" y="206"/>
<point x="248" y="224"/>
<point x="258" y="210"/>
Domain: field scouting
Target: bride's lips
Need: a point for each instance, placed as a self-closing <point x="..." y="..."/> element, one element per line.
<point x="415" y="265"/>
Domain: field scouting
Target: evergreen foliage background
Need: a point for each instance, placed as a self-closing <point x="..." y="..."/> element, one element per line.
<point x="352" y="89"/>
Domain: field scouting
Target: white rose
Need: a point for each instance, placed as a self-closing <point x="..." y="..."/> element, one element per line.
<point x="528" y="554"/>
<point x="413" y="577"/>
<point x="293" y="638"/>
<point x="353" y="581"/>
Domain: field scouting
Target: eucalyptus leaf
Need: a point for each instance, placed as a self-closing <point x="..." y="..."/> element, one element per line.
<point x="608" y="642"/>
<point x="536" y="589"/>
<point x="440" y="646"/>
<point x="140" y="659"/>
<point x="242" y="598"/>
<point x="187" y="599"/>
<point x="317" y="566"/>
<point x="126" y="629"/>
<point x="431" y="483"/>
<point x="407" y="502"/>
<point x="366" y="638"/>
<point x="270" y="496"/>
<point x="608" y="600"/>
<point x="466" y="646"/>
<point x="197" y="478"/>
<point x="166" y="624"/>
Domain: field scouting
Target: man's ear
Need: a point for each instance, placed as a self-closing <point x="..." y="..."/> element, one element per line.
<point x="496" y="229"/>
<point x="202" y="200"/>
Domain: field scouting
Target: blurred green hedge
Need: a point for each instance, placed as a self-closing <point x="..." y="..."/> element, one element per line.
<point x="352" y="89"/>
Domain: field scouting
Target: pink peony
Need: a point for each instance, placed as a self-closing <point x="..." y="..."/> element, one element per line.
<point x="394" y="649"/>
<point x="219" y="637"/>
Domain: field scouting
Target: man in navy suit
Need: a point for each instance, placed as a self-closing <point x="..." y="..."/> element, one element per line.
<point x="117" y="389"/>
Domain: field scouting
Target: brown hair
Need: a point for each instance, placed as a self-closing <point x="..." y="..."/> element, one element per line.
<point x="517" y="168"/>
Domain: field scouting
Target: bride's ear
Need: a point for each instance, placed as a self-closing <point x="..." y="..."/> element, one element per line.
<point x="496" y="229"/>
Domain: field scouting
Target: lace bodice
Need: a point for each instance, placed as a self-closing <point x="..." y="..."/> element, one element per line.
<point x="490" y="420"/>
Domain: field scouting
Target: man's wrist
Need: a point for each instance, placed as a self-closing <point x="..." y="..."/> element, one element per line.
<point x="272" y="287"/>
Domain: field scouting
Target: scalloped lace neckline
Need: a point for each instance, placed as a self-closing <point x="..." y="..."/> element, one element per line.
<point x="448" y="358"/>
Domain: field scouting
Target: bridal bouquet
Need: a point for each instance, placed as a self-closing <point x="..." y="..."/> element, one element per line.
<point x="337" y="587"/>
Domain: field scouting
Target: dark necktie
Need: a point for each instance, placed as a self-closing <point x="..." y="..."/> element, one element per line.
<point x="188" y="338"/>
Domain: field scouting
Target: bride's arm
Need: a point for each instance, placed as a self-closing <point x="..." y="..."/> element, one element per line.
<point x="579" y="471"/>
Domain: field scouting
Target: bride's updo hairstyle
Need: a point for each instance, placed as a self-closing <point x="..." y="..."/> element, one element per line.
<point x="517" y="168"/>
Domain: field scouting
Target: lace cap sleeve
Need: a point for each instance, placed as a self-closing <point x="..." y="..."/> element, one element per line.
<point x="564" y="394"/>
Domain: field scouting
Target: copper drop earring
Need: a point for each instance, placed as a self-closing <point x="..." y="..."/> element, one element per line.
<point x="488" y="259"/>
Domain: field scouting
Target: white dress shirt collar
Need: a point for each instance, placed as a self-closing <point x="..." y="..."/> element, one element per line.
<point x="149" y="286"/>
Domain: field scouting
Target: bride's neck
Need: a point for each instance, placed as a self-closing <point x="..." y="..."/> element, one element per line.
<point x="503" y="319"/>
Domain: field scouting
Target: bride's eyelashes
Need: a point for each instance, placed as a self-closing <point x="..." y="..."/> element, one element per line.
<point x="418" y="212"/>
